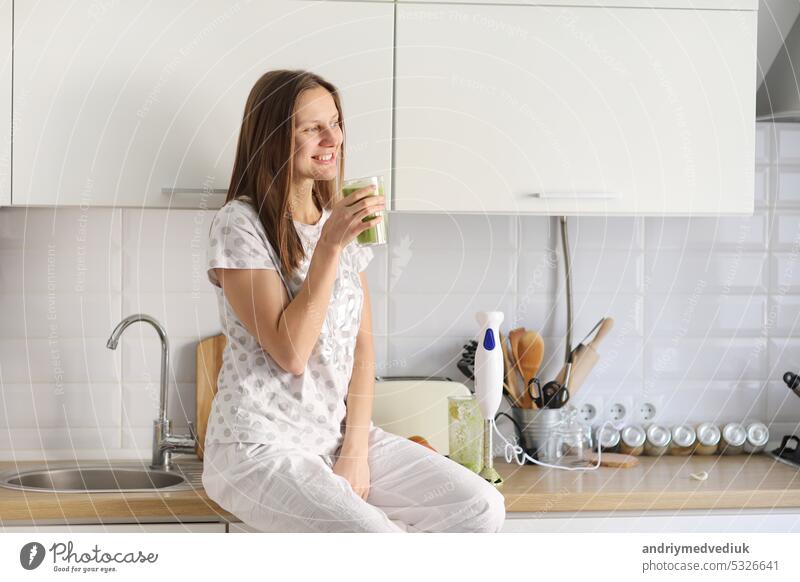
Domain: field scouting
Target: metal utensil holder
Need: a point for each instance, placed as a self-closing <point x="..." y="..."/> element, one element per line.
<point x="540" y="437"/>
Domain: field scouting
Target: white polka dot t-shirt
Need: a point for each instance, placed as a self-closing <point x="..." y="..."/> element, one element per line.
<point x="257" y="401"/>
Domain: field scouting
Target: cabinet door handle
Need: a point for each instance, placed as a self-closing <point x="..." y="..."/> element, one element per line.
<point x="579" y="195"/>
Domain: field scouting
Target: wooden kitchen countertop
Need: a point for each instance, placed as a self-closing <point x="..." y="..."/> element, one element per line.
<point x="656" y="484"/>
<point x="734" y="482"/>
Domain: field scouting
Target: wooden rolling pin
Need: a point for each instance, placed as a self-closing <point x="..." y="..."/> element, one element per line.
<point x="584" y="358"/>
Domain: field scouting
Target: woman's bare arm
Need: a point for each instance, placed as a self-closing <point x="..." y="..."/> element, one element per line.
<point x="287" y="330"/>
<point x="361" y="391"/>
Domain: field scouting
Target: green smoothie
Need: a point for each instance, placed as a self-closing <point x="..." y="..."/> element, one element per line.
<point x="375" y="235"/>
<point x="465" y="431"/>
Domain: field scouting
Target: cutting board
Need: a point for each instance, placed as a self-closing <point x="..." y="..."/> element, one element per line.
<point x="209" y="362"/>
<point x="403" y="407"/>
<point x="614" y="460"/>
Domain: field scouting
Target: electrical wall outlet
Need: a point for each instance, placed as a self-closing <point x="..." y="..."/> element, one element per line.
<point x="619" y="410"/>
<point x="648" y="408"/>
<point x="590" y="409"/>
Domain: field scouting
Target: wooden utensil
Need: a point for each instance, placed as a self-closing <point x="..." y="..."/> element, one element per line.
<point x="514" y="337"/>
<point x="209" y="361"/>
<point x="510" y="374"/>
<point x="531" y="354"/>
<point x="614" y="460"/>
<point x="585" y="357"/>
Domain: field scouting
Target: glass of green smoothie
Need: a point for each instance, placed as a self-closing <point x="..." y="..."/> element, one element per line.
<point x="465" y="431"/>
<point x="375" y="235"/>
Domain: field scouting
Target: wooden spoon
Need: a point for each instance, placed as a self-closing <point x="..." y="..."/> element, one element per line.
<point x="513" y="338"/>
<point x="531" y="354"/>
<point x="510" y="374"/>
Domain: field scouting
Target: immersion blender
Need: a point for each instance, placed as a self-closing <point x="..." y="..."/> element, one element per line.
<point x="489" y="383"/>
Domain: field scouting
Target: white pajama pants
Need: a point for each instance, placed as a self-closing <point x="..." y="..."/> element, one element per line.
<point x="411" y="489"/>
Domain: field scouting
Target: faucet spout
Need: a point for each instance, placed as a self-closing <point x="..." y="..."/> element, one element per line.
<point x="161" y="424"/>
<point x="162" y="334"/>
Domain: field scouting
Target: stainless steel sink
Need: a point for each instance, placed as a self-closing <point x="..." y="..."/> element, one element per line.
<point x="99" y="478"/>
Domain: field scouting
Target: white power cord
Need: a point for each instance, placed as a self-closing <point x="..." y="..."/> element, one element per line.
<point x="513" y="451"/>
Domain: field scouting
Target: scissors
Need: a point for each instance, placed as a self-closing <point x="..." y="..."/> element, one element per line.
<point x="553" y="395"/>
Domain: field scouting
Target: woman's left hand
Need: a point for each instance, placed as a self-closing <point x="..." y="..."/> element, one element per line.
<point x="355" y="469"/>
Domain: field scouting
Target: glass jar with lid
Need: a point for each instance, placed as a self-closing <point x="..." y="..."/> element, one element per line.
<point x="708" y="438"/>
<point x="733" y="438"/>
<point x="657" y="440"/>
<point x="608" y="437"/>
<point x="757" y="437"/>
<point x="632" y="440"/>
<point x="683" y="440"/>
<point x="574" y="440"/>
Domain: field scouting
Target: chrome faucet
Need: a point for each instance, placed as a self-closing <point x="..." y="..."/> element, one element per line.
<point x="164" y="443"/>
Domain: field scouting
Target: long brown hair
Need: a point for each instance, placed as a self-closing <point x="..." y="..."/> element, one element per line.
<point x="263" y="167"/>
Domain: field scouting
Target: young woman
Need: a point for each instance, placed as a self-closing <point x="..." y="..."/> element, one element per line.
<point x="290" y="445"/>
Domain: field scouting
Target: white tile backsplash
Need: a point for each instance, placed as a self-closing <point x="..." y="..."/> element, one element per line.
<point x="786" y="272"/>
<point x="782" y="404"/>
<point x="762" y="187"/>
<point x="591" y="271"/>
<point x="706" y="309"/>
<point x="61" y="443"/>
<point x="709" y="314"/>
<point x="57" y="271"/>
<point x="783" y="315"/>
<point x="58" y="360"/>
<point x="763" y="143"/>
<point x="786" y="231"/>
<point x="140" y="404"/>
<point x="141" y="354"/>
<point x="719" y="402"/>
<point x="607" y="233"/>
<point x="446" y="271"/>
<point x="788" y="186"/>
<point x="67" y="406"/>
<point x="587" y="309"/>
<point x="39" y="315"/>
<point x="182" y="315"/>
<point x="453" y="231"/>
<point x="724" y="233"/>
<point x="713" y="358"/>
<point x="449" y="314"/>
<point x="699" y="272"/>
<point x="788" y="142"/>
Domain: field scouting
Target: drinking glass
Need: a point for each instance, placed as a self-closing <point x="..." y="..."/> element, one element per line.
<point x="375" y="235"/>
<point x="465" y="429"/>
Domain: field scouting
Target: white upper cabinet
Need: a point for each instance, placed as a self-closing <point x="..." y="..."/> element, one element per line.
<point x="6" y="20"/>
<point x="575" y="110"/>
<point x="140" y="104"/>
<point x="716" y="4"/>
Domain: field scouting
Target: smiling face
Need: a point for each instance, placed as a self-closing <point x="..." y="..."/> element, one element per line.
<point x="318" y="135"/>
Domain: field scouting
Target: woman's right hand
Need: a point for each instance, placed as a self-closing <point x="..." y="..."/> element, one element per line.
<point x="345" y="221"/>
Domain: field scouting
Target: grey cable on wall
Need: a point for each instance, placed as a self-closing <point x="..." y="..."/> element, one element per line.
<point x="568" y="279"/>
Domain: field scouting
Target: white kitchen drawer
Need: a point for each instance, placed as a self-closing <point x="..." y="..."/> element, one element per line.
<point x="120" y="528"/>
<point x="117" y="102"/>
<point x="722" y="520"/>
<point x="654" y="109"/>
<point x="715" y="4"/>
